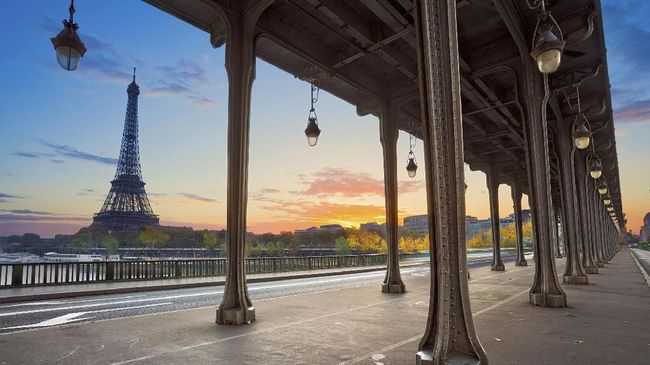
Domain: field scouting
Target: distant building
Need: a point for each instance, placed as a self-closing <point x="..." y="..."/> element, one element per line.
<point x="418" y="224"/>
<point x="323" y="228"/>
<point x="373" y="227"/>
<point x="644" y="235"/>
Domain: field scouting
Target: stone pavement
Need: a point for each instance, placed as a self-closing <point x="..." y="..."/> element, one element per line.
<point x="606" y="323"/>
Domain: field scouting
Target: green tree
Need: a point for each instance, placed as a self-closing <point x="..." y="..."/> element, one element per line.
<point x="153" y="238"/>
<point x="110" y="243"/>
<point x="210" y="240"/>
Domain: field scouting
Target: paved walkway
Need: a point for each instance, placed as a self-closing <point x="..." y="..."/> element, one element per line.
<point x="606" y="323"/>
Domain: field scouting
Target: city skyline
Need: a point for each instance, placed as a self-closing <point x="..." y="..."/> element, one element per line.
<point x="62" y="130"/>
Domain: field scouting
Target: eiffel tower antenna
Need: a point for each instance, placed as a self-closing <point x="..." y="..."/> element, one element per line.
<point x="127" y="206"/>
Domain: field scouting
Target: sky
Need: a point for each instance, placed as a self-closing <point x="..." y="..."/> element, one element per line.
<point x="61" y="131"/>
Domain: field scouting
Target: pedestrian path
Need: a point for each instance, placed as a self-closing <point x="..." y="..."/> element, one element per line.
<point x="606" y="323"/>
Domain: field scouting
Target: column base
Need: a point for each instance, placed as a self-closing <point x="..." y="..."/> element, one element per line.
<point x="498" y="267"/>
<point x="559" y="256"/>
<point x="235" y="316"/>
<point x="549" y="300"/>
<point x="426" y="358"/>
<point x="577" y="280"/>
<point x="591" y="270"/>
<point x="393" y="288"/>
<point x="600" y="264"/>
<point x="521" y="263"/>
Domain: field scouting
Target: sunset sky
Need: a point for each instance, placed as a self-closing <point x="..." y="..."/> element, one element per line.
<point x="61" y="131"/>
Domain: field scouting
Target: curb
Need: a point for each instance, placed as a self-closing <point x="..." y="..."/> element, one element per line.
<point x="135" y="289"/>
<point x="642" y="267"/>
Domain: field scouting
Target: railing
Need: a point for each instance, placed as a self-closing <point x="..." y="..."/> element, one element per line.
<point x="58" y="273"/>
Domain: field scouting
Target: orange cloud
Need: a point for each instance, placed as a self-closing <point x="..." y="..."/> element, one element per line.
<point x="342" y="182"/>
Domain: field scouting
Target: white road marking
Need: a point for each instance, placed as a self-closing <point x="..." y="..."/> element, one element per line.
<point x="74" y="317"/>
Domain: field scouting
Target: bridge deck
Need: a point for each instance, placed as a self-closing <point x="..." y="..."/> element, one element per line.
<point x="362" y="325"/>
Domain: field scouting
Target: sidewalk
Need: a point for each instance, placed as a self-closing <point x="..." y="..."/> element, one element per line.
<point x="606" y="322"/>
<point x="21" y="294"/>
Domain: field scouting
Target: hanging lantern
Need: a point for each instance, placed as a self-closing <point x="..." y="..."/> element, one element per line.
<point x="607" y="201"/>
<point x="581" y="133"/>
<point x="602" y="188"/>
<point x="313" y="131"/>
<point x="595" y="167"/>
<point x="69" y="47"/>
<point x="547" y="46"/>
<point x="411" y="165"/>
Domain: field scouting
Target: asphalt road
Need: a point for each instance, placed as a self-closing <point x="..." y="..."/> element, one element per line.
<point x="40" y="314"/>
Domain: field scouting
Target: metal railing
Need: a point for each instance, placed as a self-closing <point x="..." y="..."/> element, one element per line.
<point x="60" y="273"/>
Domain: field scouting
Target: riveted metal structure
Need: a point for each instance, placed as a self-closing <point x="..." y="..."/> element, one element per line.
<point x="127" y="206"/>
<point x="458" y="75"/>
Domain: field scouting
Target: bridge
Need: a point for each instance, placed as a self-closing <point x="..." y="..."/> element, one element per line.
<point x="457" y="74"/>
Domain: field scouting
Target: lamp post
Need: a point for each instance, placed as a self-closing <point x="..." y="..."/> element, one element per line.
<point x="69" y="47"/>
<point x="411" y="165"/>
<point x="547" y="45"/>
<point x="312" y="131"/>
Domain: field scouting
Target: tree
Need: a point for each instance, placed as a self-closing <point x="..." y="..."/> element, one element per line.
<point x="210" y="240"/>
<point x="88" y="237"/>
<point x="31" y="239"/>
<point x="110" y="243"/>
<point x="342" y="246"/>
<point x="153" y="238"/>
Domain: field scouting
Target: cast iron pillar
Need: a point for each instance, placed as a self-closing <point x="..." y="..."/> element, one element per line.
<point x="573" y="271"/>
<point x="558" y="253"/>
<point x="546" y="290"/>
<point x="592" y="199"/>
<point x="602" y="219"/>
<point x="236" y="306"/>
<point x="388" y="133"/>
<point x="450" y="337"/>
<point x="582" y="177"/>
<point x="516" y="200"/>
<point x="492" y="177"/>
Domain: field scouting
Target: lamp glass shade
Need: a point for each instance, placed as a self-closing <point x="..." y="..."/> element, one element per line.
<point x="602" y="190"/>
<point x="549" y="61"/>
<point x="68" y="58"/>
<point x="312" y="132"/>
<point x="607" y="201"/>
<point x="582" y="142"/>
<point x="610" y="209"/>
<point x="411" y="167"/>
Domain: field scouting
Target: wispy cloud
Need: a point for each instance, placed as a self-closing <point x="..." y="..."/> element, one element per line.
<point x="8" y="218"/>
<point x="200" y="198"/>
<point x="10" y="196"/>
<point x="74" y="153"/>
<point x="336" y="181"/>
<point x="182" y="80"/>
<point x="25" y="211"/>
<point x="636" y="111"/>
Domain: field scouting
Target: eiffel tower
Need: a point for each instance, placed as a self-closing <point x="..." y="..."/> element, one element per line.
<point x="127" y="207"/>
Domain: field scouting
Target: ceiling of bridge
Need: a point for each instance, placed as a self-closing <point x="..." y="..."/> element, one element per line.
<point x="364" y="51"/>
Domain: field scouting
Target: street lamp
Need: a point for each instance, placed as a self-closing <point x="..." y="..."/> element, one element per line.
<point x="595" y="167"/>
<point x="610" y="209"/>
<point x="547" y="46"/>
<point x="581" y="133"/>
<point x="411" y="166"/>
<point x="312" y="131"/>
<point x="602" y="188"/>
<point x="69" y="47"/>
<point x="607" y="201"/>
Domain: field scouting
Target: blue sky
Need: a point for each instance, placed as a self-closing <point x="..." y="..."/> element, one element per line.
<point x="61" y="130"/>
